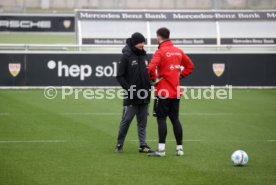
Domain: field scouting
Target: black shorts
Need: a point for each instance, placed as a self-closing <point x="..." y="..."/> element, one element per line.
<point x="166" y="107"/>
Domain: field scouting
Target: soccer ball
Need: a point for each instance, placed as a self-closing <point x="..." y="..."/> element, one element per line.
<point x="239" y="158"/>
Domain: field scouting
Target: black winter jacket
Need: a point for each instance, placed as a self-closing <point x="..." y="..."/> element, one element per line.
<point x="132" y="70"/>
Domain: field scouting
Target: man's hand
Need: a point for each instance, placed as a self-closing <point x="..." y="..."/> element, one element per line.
<point x="153" y="82"/>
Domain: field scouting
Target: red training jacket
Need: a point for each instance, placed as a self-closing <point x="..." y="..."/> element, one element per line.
<point x="168" y="62"/>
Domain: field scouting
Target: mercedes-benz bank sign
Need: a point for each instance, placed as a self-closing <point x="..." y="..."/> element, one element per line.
<point x="25" y="24"/>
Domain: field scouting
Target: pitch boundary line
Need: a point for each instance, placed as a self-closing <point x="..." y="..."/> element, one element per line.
<point x="198" y="140"/>
<point x="271" y="140"/>
<point x="34" y="141"/>
<point x="108" y="114"/>
<point x="169" y="140"/>
<point x="132" y="140"/>
<point x="91" y="113"/>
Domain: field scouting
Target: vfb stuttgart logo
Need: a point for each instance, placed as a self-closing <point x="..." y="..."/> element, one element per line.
<point x="218" y="69"/>
<point x="14" y="69"/>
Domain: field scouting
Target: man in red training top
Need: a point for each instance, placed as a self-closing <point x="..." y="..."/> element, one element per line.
<point x="168" y="64"/>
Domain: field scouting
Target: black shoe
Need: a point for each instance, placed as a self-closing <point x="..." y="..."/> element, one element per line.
<point x="119" y="148"/>
<point x="145" y="149"/>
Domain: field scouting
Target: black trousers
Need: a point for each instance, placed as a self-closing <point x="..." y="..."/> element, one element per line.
<point x="164" y="108"/>
<point x="141" y="112"/>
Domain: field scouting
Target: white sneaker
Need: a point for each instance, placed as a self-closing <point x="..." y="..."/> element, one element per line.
<point x="157" y="154"/>
<point x="179" y="152"/>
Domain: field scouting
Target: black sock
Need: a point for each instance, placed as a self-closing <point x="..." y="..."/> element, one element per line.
<point x="162" y="129"/>
<point x="177" y="129"/>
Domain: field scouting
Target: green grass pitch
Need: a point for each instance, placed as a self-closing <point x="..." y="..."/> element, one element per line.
<point x="71" y="142"/>
<point x="37" y="38"/>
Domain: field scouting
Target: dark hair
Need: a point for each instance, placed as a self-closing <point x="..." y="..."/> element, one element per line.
<point x="163" y="32"/>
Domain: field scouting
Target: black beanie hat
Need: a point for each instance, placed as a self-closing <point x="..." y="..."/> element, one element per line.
<point x="137" y="38"/>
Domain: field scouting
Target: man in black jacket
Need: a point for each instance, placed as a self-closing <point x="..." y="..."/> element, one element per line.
<point x="133" y="77"/>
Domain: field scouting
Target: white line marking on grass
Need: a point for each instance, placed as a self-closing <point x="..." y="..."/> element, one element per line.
<point x="63" y="114"/>
<point x="35" y="141"/>
<point x="4" y="114"/>
<point x="197" y="140"/>
<point x="104" y="114"/>
<point x="91" y="113"/>
<point x="169" y="140"/>
<point x="117" y="113"/>
<point x="205" y="114"/>
<point x="190" y="140"/>
<point x="271" y="140"/>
